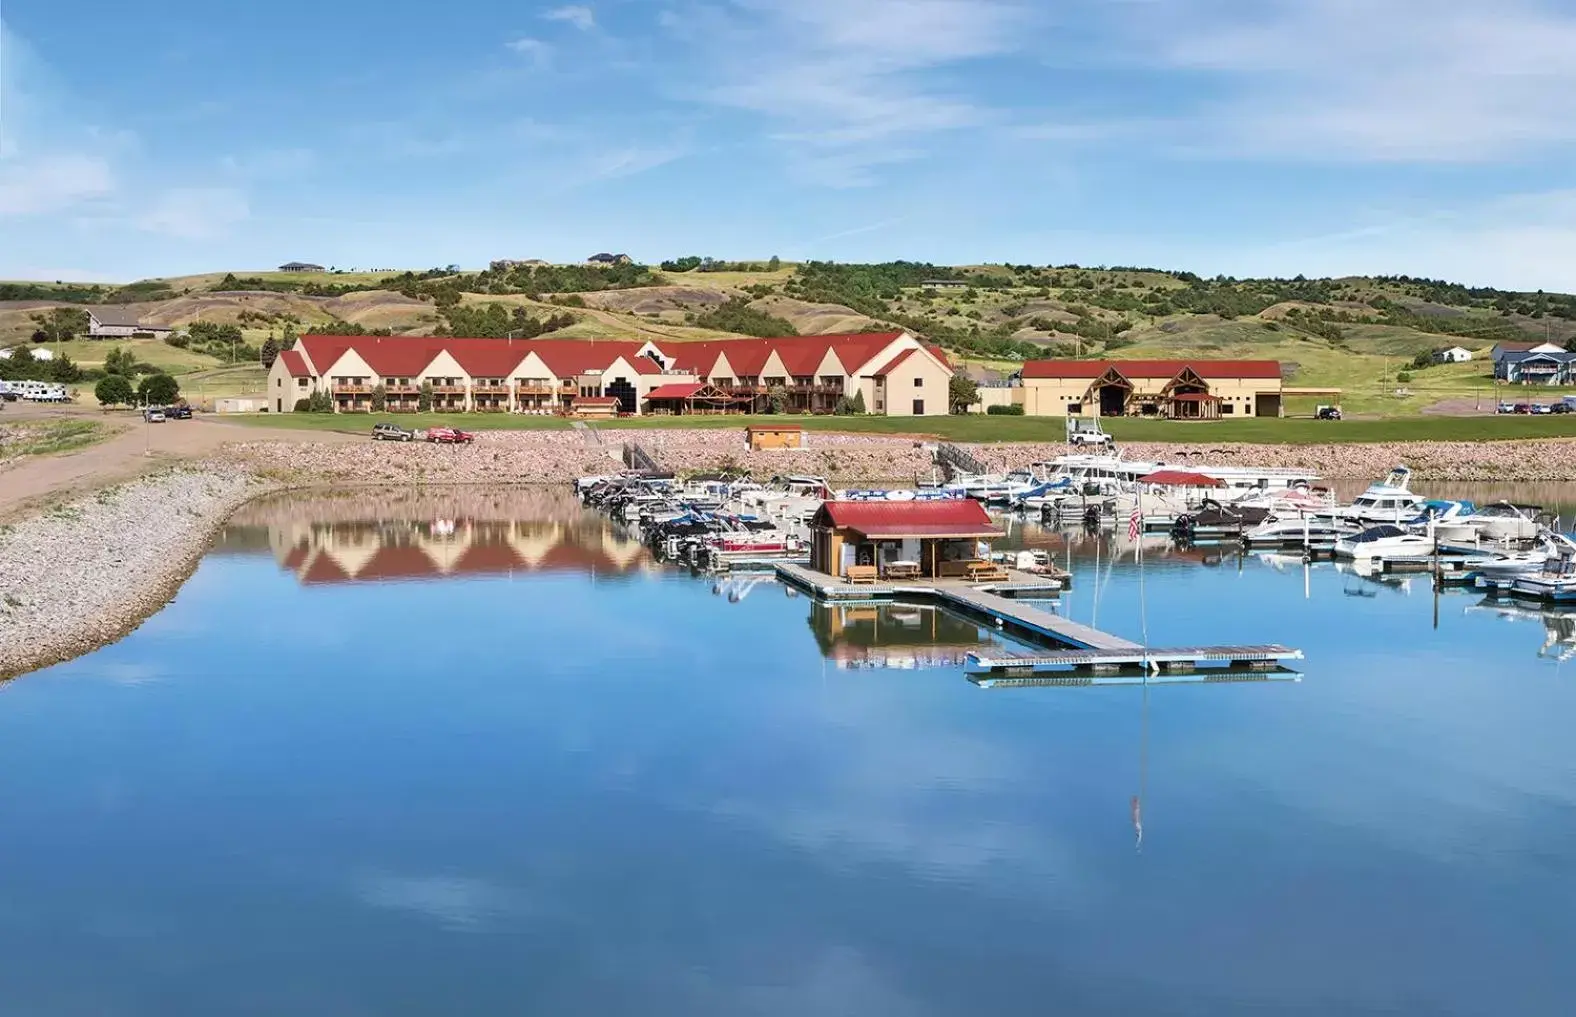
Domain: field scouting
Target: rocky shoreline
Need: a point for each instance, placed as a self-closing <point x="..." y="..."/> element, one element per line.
<point x="87" y="572"/>
<point x="558" y="457"/>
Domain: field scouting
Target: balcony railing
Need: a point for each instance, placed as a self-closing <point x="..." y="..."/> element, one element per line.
<point x="491" y="390"/>
<point x="448" y="390"/>
<point x="402" y="390"/>
<point x="352" y="390"/>
<point x="536" y="390"/>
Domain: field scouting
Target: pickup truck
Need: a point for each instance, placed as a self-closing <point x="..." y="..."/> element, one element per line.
<point x="1096" y="438"/>
<point x="449" y="436"/>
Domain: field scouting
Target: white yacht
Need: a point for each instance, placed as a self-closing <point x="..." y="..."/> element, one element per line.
<point x="1388" y="501"/>
<point x="1294" y="530"/>
<point x="1383" y="542"/>
<point x="1503" y="521"/>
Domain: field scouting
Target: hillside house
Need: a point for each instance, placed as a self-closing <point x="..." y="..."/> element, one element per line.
<point x="300" y="266"/>
<point x="1170" y="389"/>
<point x="609" y="259"/>
<point x="894" y="373"/>
<point x="1453" y="355"/>
<point x="110" y="322"/>
<point x="1504" y="349"/>
<point x="1536" y="367"/>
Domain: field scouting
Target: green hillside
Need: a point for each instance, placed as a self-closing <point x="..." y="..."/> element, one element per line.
<point x="1358" y="334"/>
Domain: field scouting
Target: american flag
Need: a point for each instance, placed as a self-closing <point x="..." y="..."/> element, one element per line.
<point x="1135" y="524"/>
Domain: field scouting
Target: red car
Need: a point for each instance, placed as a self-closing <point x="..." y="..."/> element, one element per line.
<point x="450" y="436"/>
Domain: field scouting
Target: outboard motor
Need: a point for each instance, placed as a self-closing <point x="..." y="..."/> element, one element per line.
<point x="1091" y="517"/>
<point x="1182" y="529"/>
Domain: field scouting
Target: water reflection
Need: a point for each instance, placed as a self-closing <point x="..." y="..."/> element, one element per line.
<point x="384" y="536"/>
<point x="895" y="635"/>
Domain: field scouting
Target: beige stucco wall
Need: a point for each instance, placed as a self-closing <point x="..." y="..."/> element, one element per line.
<point x="918" y="377"/>
<point x="283" y="391"/>
<point x="1050" y="397"/>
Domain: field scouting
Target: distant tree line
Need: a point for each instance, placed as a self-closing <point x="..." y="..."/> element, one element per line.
<point x="738" y="316"/>
<point x="496" y="321"/>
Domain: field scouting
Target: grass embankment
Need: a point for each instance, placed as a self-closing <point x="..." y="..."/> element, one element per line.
<point x="987" y="429"/>
<point x="51" y="437"/>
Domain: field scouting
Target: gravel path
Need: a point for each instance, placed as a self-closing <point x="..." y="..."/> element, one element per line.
<point x="89" y="571"/>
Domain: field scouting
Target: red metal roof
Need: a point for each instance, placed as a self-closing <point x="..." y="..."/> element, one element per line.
<point x="962" y="517"/>
<point x="1092" y="369"/>
<point x="801" y="355"/>
<point x="678" y="390"/>
<point x="295" y="364"/>
<point x="1181" y="478"/>
<point x="886" y="368"/>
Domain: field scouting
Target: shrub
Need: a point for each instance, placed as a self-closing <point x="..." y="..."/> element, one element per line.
<point x="1404" y="377"/>
<point x="380" y="398"/>
<point x="319" y="402"/>
<point x="158" y="389"/>
<point x="1005" y="411"/>
<point x="303" y="406"/>
<point x="113" y="390"/>
<point x="424" y="397"/>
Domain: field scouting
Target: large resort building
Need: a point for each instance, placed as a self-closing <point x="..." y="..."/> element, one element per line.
<point x="1170" y="389"/>
<point x="893" y="373"/>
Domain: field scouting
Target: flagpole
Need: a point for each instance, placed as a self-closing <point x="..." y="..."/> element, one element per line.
<point x="1143" y="603"/>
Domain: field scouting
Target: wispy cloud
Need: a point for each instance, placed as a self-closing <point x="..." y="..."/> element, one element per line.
<point x="630" y="160"/>
<point x="848" y="80"/>
<point x="580" y="17"/>
<point x="194" y="213"/>
<point x="1404" y="80"/>
<point x="534" y="50"/>
<point x="52" y="183"/>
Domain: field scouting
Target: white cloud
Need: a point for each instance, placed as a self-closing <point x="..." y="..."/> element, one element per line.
<point x="52" y="183"/>
<point x="845" y="78"/>
<point x="535" y="50"/>
<point x="194" y="213"/>
<point x="582" y="18"/>
<point x="1403" y="80"/>
<point x="631" y="160"/>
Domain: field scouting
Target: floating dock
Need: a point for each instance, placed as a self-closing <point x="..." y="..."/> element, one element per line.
<point x="1077" y="653"/>
<point x="1135" y="664"/>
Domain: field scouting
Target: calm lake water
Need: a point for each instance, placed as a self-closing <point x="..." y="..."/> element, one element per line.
<point x="365" y="765"/>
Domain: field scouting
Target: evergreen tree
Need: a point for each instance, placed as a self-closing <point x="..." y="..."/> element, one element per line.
<point x="269" y="353"/>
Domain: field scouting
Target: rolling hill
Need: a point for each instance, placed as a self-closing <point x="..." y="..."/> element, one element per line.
<point x="1360" y="334"/>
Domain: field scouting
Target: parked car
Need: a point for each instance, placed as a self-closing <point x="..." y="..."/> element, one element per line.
<point x="1506" y="408"/>
<point x="392" y="432"/>
<point x="153" y="415"/>
<point x="1523" y="407"/>
<point x="450" y="436"/>
<point x="1560" y="407"/>
<point x="1540" y="408"/>
<point x="1328" y="413"/>
<point x="178" y="412"/>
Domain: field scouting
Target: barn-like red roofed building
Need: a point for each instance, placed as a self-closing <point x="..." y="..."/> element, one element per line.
<point x="1193" y="389"/>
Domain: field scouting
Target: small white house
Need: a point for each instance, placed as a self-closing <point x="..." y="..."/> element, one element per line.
<point x="1454" y="355"/>
<point x="38" y="352"/>
<point x="105" y="322"/>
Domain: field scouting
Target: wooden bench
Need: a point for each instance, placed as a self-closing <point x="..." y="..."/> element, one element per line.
<point x="954" y="569"/>
<point x="863" y="574"/>
<point x="903" y="570"/>
<point x="984" y="571"/>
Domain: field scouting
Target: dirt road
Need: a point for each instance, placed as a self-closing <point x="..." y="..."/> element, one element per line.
<point x="142" y="447"/>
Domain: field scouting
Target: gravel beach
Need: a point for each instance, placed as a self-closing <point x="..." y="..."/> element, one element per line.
<point x="88" y="571"/>
<point x="561" y="456"/>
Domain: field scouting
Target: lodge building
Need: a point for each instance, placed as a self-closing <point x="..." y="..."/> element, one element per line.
<point x="893" y="373"/>
<point x="1196" y="389"/>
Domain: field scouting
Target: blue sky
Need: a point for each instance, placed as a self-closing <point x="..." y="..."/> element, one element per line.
<point x="1430" y="137"/>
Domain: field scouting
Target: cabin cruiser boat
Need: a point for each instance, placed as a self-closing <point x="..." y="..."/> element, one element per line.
<point x="1501" y="571"/>
<point x="1504" y="522"/>
<point x="1384" y="541"/>
<point x="1388" y="501"/>
<point x="1304" y="531"/>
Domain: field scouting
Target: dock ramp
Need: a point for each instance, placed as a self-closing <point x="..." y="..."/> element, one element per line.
<point x="954" y="461"/>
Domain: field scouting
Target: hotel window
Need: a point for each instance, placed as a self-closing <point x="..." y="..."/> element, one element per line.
<point x="1228" y="408"/>
<point x="919" y="382"/>
<point x="774" y="382"/>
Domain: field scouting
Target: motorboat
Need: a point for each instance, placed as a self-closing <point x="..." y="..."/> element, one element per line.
<point x="1452" y="520"/>
<point x="1505" y="522"/>
<point x="1214" y="520"/>
<point x="1388" y="501"/>
<point x="1294" y="530"/>
<point x="1501" y="571"/>
<point x="1384" y="542"/>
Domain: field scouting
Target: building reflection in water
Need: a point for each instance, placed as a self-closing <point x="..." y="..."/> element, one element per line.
<point x="388" y="536"/>
<point x="867" y="635"/>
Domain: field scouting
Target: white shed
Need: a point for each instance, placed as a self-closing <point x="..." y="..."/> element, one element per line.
<point x="1454" y="355"/>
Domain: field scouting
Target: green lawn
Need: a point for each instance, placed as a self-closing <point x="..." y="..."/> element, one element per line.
<point x="51" y="437"/>
<point x="91" y="353"/>
<point x="987" y="428"/>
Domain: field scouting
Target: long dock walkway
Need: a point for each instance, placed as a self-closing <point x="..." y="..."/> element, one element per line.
<point x="1094" y="657"/>
<point x="1021" y="618"/>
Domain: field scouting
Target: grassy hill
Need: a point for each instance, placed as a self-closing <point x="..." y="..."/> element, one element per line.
<point x="1358" y="334"/>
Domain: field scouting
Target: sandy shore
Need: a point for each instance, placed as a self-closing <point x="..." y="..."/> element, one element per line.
<point x="88" y="571"/>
